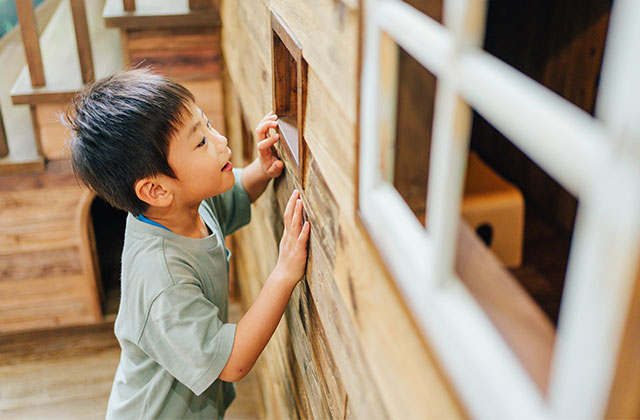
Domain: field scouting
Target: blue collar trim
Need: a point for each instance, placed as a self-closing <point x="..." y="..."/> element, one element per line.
<point x="145" y="219"/>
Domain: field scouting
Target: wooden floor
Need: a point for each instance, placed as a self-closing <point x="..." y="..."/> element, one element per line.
<point x="67" y="374"/>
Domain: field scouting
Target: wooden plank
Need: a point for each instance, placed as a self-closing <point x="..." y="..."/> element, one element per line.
<point x="129" y="5"/>
<point x="30" y="239"/>
<point x="200" y="4"/>
<point x="174" y="39"/>
<point x="79" y="15"/>
<point x="623" y="403"/>
<point x="185" y="65"/>
<point x="56" y="174"/>
<point x="158" y="14"/>
<point x="40" y="265"/>
<point x="31" y="42"/>
<point x="351" y="300"/>
<point x="522" y="323"/>
<point x="22" y="208"/>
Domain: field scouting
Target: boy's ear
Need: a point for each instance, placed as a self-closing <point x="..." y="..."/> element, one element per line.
<point x="153" y="192"/>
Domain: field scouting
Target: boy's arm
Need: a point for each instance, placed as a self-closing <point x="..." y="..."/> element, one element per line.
<point x="257" y="174"/>
<point x="259" y="323"/>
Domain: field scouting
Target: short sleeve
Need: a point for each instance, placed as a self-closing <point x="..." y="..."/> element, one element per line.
<point x="184" y="335"/>
<point x="233" y="207"/>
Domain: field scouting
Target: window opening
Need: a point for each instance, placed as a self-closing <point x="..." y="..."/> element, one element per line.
<point x="289" y="90"/>
<point x="405" y="132"/>
<point x="513" y="246"/>
<point x="247" y="140"/>
<point x="560" y="44"/>
<point x="431" y="8"/>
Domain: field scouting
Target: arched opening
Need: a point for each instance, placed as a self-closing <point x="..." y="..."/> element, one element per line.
<point x="108" y="225"/>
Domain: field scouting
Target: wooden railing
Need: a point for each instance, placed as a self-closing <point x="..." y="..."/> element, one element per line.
<point x="130" y="5"/>
<point x="31" y="41"/>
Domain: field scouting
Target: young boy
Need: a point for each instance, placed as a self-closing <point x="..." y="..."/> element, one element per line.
<point x="140" y="141"/>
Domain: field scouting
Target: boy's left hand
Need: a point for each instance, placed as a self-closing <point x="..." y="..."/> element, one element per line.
<point x="271" y="165"/>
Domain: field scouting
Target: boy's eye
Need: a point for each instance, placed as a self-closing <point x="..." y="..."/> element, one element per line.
<point x="203" y="142"/>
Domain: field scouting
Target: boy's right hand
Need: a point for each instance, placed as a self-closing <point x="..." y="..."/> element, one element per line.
<point x="293" y="245"/>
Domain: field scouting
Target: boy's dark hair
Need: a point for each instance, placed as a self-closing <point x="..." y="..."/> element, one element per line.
<point x="121" y="126"/>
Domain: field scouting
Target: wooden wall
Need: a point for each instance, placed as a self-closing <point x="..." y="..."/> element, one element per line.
<point x="348" y="346"/>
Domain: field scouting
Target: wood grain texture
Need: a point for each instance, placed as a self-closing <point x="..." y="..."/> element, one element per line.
<point x="623" y="402"/>
<point x="562" y="48"/>
<point x="68" y="372"/>
<point x="181" y="53"/>
<point x="129" y="5"/>
<point x="62" y="70"/>
<point x="31" y="42"/>
<point x="158" y="14"/>
<point x="83" y="43"/>
<point x="47" y="256"/>
<point x="335" y="354"/>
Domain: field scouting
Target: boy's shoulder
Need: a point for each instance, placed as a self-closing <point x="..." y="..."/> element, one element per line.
<point x="153" y="259"/>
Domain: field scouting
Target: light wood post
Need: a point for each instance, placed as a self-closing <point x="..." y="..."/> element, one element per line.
<point x="129" y="5"/>
<point x="30" y="41"/>
<point x="4" y="146"/>
<point x="83" y="41"/>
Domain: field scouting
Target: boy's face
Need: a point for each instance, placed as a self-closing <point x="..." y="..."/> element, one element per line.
<point x="201" y="160"/>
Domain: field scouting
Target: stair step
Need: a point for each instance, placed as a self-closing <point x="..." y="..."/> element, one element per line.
<point x="57" y="234"/>
<point x="57" y="173"/>
<point x="60" y="58"/>
<point x="48" y="304"/>
<point x="44" y="264"/>
<point x="38" y="206"/>
<point x="158" y="14"/>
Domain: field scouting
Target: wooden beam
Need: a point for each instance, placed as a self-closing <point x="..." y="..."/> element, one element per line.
<point x="129" y="5"/>
<point x="30" y="41"/>
<point x="83" y="41"/>
<point x="200" y="4"/>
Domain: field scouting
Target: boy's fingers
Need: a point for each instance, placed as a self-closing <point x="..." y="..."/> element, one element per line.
<point x="265" y="144"/>
<point x="304" y="234"/>
<point x="275" y="169"/>
<point x="296" y="221"/>
<point x="288" y="211"/>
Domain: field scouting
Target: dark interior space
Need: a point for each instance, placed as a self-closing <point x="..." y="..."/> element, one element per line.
<point x="560" y="44"/>
<point x="109" y="225"/>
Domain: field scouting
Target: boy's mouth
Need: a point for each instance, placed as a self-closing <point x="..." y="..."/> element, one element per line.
<point x="227" y="167"/>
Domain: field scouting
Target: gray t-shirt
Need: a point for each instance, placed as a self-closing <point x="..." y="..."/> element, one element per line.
<point x="172" y="321"/>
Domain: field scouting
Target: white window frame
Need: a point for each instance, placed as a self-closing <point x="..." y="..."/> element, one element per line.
<point x="596" y="159"/>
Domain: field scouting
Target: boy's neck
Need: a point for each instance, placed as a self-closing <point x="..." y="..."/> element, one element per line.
<point x="184" y="221"/>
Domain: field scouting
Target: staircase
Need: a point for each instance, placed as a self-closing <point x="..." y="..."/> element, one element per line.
<point x="49" y="272"/>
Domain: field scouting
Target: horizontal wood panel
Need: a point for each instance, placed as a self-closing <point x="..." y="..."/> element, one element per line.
<point x="57" y="235"/>
<point x="29" y="206"/>
<point x="206" y="39"/>
<point x="158" y="14"/>
<point x="350" y="347"/>
<point x="48" y="314"/>
<point x="40" y="264"/>
<point x="26" y="293"/>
